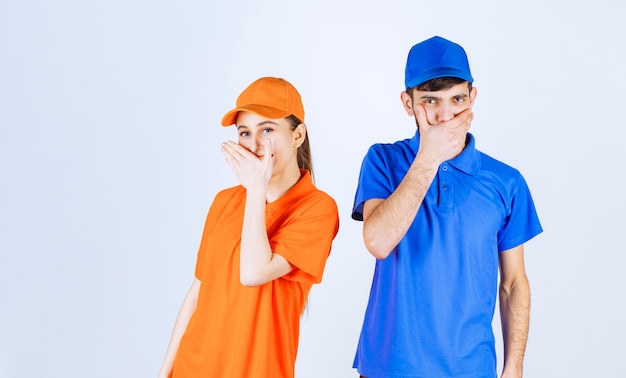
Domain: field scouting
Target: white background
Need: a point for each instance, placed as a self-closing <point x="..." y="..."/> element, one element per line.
<point x="109" y="160"/>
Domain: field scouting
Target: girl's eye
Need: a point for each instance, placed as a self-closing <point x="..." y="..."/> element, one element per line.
<point x="265" y="131"/>
<point x="244" y="134"/>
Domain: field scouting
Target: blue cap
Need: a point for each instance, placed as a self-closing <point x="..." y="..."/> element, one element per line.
<point x="433" y="58"/>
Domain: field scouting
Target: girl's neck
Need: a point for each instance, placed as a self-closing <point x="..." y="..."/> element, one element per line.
<point x="281" y="183"/>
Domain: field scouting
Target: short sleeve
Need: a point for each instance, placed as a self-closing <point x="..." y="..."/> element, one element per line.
<point x="306" y="240"/>
<point x="373" y="182"/>
<point x="521" y="223"/>
<point x="216" y="208"/>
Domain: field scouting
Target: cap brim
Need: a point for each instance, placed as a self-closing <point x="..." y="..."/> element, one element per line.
<point x="264" y="111"/>
<point x="437" y="73"/>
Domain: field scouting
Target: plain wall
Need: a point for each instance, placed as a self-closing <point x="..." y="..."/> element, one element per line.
<point x="109" y="160"/>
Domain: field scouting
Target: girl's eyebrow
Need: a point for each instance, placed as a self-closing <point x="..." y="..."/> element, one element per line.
<point x="260" y="124"/>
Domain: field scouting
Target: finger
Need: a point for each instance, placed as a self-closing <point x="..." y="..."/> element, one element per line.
<point x="232" y="148"/>
<point x="236" y="151"/>
<point x="420" y="116"/>
<point x="462" y="119"/>
<point x="232" y="154"/>
<point x="468" y="120"/>
<point x="226" y="150"/>
<point x="269" y="153"/>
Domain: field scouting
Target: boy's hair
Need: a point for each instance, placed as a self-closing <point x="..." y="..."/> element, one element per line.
<point x="438" y="84"/>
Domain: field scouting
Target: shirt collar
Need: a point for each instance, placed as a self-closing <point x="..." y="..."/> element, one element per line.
<point x="296" y="192"/>
<point x="467" y="161"/>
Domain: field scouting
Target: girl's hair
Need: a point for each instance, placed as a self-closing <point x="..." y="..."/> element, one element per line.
<point x="304" y="151"/>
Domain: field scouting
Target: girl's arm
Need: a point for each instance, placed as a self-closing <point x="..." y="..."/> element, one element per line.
<point x="187" y="308"/>
<point x="258" y="264"/>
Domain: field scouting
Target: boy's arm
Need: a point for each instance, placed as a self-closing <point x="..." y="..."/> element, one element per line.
<point x="385" y="222"/>
<point x="514" y="310"/>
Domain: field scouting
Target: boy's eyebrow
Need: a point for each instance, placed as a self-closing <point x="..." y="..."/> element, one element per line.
<point x="431" y="97"/>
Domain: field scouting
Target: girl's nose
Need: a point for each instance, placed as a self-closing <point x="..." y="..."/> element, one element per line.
<point x="254" y="145"/>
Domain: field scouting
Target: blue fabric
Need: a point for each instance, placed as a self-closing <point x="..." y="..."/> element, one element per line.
<point x="433" y="298"/>
<point x="433" y="58"/>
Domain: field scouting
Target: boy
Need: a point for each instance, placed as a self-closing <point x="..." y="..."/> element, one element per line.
<point x="441" y="217"/>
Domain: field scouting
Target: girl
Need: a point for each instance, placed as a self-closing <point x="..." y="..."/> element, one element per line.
<point x="265" y="243"/>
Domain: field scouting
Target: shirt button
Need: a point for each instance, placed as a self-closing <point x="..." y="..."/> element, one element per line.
<point x="445" y="186"/>
<point x="445" y="168"/>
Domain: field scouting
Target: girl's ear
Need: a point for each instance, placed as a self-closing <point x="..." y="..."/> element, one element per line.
<point x="299" y="133"/>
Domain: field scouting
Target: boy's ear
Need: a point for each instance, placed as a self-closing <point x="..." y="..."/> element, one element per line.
<point x="473" y="94"/>
<point x="407" y="103"/>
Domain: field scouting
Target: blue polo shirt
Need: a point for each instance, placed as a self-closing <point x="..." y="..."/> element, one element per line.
<point x="433" y="298"/>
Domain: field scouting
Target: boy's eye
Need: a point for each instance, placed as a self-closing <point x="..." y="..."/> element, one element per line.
<point x="459" y="99"/>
